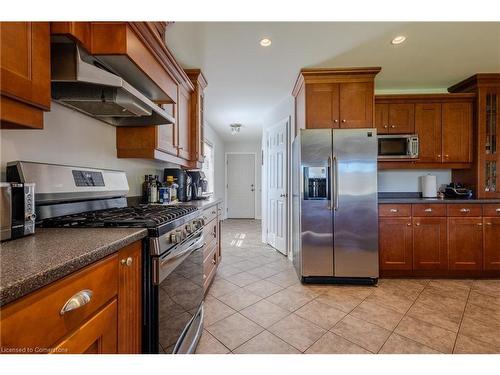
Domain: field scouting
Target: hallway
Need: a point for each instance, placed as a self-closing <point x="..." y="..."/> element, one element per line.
<point x="257" y="305"/>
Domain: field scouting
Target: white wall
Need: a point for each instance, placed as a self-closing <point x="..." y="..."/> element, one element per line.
<point x="70" y="137"/>
<point x="253" y="146"/>
<point x="409" y="180"/>
<point x="213" y="137"/>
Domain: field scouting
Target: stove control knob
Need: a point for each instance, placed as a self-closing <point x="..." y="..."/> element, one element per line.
<point x="180" y="234"/>
<point x="173" y="238"/>
<point x="189" y="228"/>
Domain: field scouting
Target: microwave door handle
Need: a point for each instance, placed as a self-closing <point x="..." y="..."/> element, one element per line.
<point x="336" y="184"/>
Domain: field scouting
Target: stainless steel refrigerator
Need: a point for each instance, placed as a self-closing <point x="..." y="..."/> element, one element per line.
<point x="335" y="218"/>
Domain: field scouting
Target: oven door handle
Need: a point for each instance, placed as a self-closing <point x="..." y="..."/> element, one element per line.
<point x="195" y="245"/>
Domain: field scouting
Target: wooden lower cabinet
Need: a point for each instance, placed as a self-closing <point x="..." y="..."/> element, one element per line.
<point x="465" y="246"/>
<point x="395" y="243"/>
<point x="491" y="243"/>
<point x="430" y="243"/>
<point x="109" y="322"/>
<point x="96" y="336"/>
<point x="212" y="252"/>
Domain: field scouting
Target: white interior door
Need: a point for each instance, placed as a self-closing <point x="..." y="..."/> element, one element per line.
<point x="240" y="186"/>
<point x="276" y="186"/>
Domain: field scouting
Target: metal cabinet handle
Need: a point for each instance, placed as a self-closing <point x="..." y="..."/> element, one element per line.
<point x="127" y="262"/>
<point x="480" y="224"/>
<point x="417" y="224"/>
<point x="439" y="156"/>
<point x="344" y="120"/>
<point x="446" y="156"/>
<point x="497" y="210"/>
<point x="488" y="223"/>
<point x="428" y="210"/>
<point x="409" y="224"/>
<point x="335" y="121"/>
<point x="393" y="210"/>
<point x="76" y="301"/>
<point x="465" y="210"/>
<point x="393" y="126"/>
<point x="385" y="126"/>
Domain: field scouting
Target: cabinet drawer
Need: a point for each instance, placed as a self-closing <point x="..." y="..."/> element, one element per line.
<point x="208" y="249"/>
<point x="464" y="210"/>
<point x="423" y="210"/>
<point x="210" y="232"/>
<point x="394" y="210"/>
<point x="491" y="210"/>
<point x="210" y="213"/>
<point x="209" y="268"/>
<point x="36" y="320"/>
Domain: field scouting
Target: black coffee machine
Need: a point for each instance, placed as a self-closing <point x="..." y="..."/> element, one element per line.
<point x="183" y="179"/>
<point x="199" y="184"/>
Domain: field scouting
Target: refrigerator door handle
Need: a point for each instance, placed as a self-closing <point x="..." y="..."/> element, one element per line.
<point x="330" y="183"/>
<point x="335" y="184"/>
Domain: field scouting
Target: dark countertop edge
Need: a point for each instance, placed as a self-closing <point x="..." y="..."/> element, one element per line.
<point x="203" y="203"/>
<point x="19" y="289"/>
<point x="437" y="201"/>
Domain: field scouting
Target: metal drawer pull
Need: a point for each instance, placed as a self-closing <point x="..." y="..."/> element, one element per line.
<point x="76" y="301"/>
<point x="428" y="210"/>
<point x="480" y="224"/>
<point x="497" y="210"/>
<point x="488" y="223"/>
<point x="465" y="210"/>
<point x="127" y="262"/>
<point x="393" y="210"/>
<point x="409" y="224"/>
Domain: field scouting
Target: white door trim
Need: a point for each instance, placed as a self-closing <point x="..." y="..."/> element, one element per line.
<point x="254" y="179"/>
<point x="265" y="195"/>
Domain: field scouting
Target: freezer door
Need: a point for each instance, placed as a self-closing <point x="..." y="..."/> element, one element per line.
<point x="316" y="219"/>
<point x="354" y="199"/>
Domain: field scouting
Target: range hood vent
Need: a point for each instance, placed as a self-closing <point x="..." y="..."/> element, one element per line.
<point x="81" y="82"/>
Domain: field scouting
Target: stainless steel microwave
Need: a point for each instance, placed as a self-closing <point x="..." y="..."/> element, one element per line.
<point x="401" y="146"/>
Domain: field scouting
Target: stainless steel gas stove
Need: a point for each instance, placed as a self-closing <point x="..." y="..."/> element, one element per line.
<point x="80" y="197"/>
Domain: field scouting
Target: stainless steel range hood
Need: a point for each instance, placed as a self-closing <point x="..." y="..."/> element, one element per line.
<point x="81" y="82"/>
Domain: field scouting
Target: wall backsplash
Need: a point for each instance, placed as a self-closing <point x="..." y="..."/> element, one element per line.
<point x="70" y="137"/>
<point x="409" y="180"/>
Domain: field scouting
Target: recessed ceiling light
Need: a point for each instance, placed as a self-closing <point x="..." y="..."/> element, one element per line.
<point x="399" y="39"/>
<point x="266" y="42"/>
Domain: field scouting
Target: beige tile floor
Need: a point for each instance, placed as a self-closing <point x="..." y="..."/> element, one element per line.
<point x="256" y="304"/>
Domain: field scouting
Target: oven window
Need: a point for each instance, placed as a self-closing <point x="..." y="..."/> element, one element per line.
<point x="392" y="146"/>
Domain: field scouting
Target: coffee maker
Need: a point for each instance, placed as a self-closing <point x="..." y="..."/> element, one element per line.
<point x="199" y="184"/>
<point x="183" y="179"/>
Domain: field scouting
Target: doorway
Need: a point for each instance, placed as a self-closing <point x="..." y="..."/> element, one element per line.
<point x="277" y="186"/>
<point x="240" y="185"/>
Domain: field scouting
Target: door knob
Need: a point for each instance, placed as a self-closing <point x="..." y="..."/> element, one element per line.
<point x="283" y="195"/>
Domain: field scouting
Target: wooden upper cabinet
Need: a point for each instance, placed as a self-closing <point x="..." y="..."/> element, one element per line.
<point x="402" y="118"/>
<point x="183" y="117"/>
<point x="428" y="128"/>
<point x="395" y="243"/>
<point x="491" y="243"/>
<point x="465" y="243"/>
<point x="322" y="109"/>
<point x="382" y="118"/>
<point x="80" y="32"/>
<point x="197" y="114"/>
<point x="457" y="132"/>
<point x="25" y="72"/>
<point x="430" y="243"/>
<point x="356" y="105"/>
<point x="335" y="98"/>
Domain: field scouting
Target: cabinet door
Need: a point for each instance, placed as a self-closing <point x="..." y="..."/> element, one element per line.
<point x="465" y="243"/>
<point x="356" y="105"/>
<point x="322" y="105"/>
<point x="25" y="73"/>
<point x="428" y="128"/>
<point x="96" y="336"/>
<point x="402" y="118"/>
<point x="395" y="243"/>
<point x="491" y="243"/>
<point x="129" y="299"/>
<point x="183" y="124"/>
<point x="457" y="132"/>
<point x="382" y="118"/>
<point x="429" y="243"/>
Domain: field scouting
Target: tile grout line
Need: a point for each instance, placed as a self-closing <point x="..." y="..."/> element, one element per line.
<point x="462" y="319"/>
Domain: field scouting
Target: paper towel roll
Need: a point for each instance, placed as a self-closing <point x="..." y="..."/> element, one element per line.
<point x="429" y="186"/>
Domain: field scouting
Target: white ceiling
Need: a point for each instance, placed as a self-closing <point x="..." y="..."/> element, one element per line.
<point x="245" y="80"/>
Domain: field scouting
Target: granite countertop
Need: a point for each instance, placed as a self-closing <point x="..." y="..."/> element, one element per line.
<point x="203" y="203"/>
<point x="406" y="198"/>
<point x="29" y="263"/>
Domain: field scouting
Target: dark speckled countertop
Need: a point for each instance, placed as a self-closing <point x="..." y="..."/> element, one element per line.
<point x="29" y="263"/>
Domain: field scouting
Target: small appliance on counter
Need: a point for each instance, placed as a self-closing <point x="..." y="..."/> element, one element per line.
<point x="17" y="210"/>
<point x="429" y="186"/>
<point x="184" y="180"/>
<point x="199" y="185"/>
<point x="457" y="191"/>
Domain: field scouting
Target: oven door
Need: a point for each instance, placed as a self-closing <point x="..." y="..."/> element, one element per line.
<point x="180" y="296"/>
